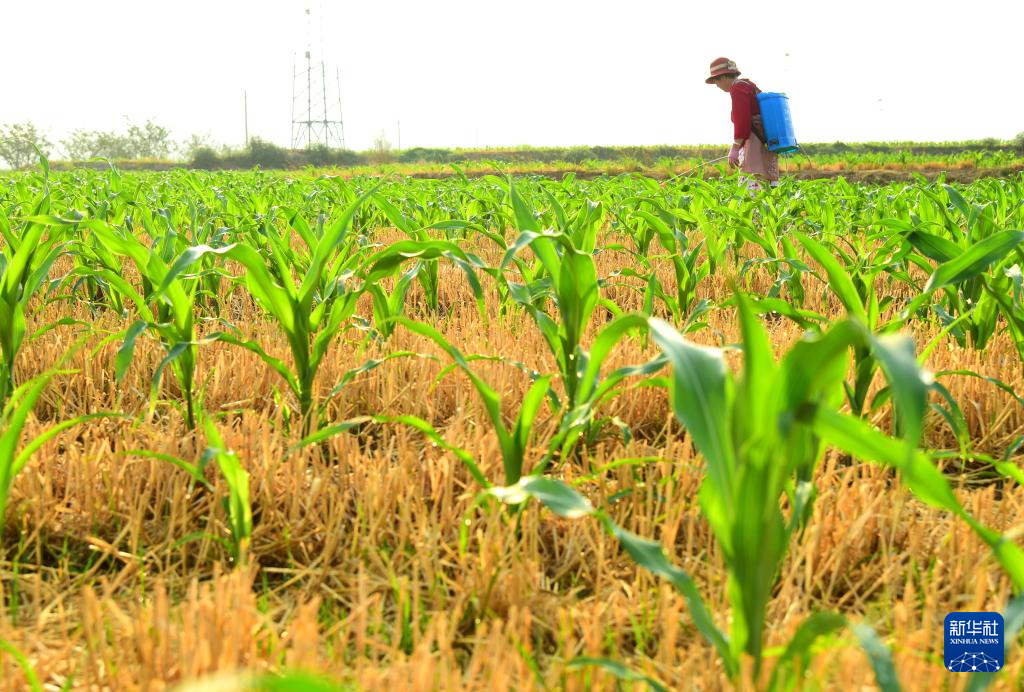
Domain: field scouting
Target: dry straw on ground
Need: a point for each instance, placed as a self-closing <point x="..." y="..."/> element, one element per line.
<point x="355" y="564"/>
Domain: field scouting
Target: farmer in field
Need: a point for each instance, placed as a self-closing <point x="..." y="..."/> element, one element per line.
<point x="749" y="152"/>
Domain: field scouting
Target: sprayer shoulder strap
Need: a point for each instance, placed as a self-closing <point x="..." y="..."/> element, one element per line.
<point x="756" y="122"/>
<point x="757" y="89"/>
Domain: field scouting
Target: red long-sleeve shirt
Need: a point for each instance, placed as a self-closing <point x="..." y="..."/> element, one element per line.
<point x="744" y="107"/>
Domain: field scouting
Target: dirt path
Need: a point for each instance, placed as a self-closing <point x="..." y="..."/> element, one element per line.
<point x="873" y="177"/>
<point x="876" y="177"/>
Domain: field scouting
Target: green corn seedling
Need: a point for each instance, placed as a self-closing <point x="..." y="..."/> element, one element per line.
<point x="314" y="312"/>
<point x="513" y="442"/>
<point x="762" y="435"/>
<point x="12" y="422"/>
<point x="979" y="282"/>
<point x="309" y="328"/>
<point x="570" y="279"/>
<point x="237" y="503"/>
<point x="24" y="266"/>
<point x="427" y="273"/>
<point x="165" y="305"/>
<point x="688" y="265"/>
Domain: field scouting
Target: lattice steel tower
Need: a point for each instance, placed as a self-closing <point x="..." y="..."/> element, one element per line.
<point x="316" y="110"/>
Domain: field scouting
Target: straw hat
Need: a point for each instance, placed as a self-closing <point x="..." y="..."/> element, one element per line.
<point x="721" y="66"/>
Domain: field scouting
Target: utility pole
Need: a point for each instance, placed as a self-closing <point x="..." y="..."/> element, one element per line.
<point x="323" y="81"/>
<point x="309" y="84"/>
<point x="309" y="97"/>
<point x="245" y="101"/>
<point x="341" y="122"/>
<point x="399" y="135"/>
<point x="295" y="75"/>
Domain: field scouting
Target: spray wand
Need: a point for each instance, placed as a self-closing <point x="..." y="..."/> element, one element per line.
<point x="699" y="167"/>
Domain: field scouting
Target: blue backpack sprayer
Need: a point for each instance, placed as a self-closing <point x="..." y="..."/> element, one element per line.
<point x="778" y="124"/>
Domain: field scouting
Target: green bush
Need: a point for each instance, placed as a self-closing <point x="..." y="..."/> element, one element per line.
<point x="425" y="155"/>
<point x="319" y="155"/>
<point x="347" y="157"/>
<point x="266" y="154"/>
<point x="205" y="158"/>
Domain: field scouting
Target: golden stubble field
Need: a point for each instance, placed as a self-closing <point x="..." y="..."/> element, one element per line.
<point x="114" y="581"/>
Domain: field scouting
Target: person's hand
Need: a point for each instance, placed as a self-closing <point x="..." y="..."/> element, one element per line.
<point x="734" y="155"/>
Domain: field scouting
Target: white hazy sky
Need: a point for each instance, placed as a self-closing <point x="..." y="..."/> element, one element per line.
<point x="540" y="72"/>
